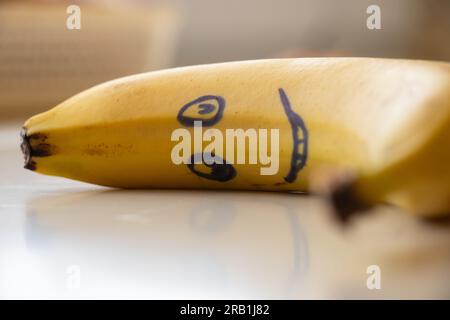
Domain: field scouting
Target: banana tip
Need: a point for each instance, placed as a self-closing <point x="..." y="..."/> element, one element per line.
<point x="26" y="150"/>
<point x="346" y="201"/>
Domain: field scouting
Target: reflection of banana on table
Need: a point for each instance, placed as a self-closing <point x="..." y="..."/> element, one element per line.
<point x="385" y="121"/>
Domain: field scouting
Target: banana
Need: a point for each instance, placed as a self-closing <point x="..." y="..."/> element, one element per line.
<point x="381" y="125"/>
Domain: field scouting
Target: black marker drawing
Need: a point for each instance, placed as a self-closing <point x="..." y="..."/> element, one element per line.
<point x="221" y="171"/>
<point x="300" y="137"/>
<point x="209" y="110"/>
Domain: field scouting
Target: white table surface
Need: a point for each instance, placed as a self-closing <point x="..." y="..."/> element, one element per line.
<point x="64" y="239"/>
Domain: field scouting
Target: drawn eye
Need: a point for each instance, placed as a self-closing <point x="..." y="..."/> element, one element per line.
<point x="208" y="109"/>
<point x="211" y="167"/>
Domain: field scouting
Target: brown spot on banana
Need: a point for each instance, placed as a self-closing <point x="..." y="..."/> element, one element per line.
<point x="108" y="150"/>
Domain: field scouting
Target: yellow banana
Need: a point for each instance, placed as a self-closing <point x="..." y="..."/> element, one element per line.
<point x="386" y="122"/>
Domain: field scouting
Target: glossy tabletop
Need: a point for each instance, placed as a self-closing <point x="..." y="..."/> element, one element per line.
<point x="65" y="239"/>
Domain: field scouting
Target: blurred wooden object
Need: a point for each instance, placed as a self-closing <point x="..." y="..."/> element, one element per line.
<point x="42" y="62"/>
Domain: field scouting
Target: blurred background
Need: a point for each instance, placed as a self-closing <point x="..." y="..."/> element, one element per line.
<point x="42" y="62"/>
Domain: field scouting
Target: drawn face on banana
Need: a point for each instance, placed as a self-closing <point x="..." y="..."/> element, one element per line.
<point x="214" y="161"/>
